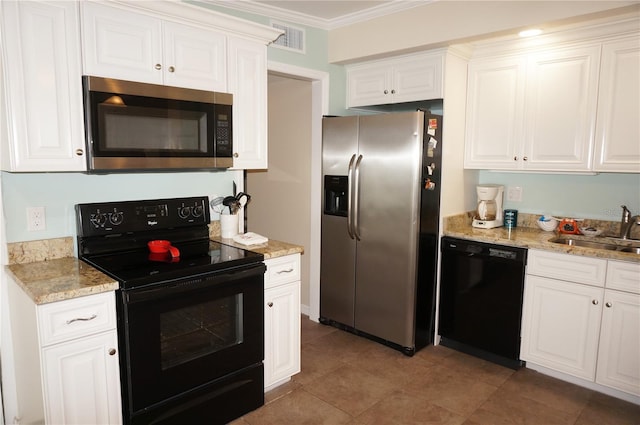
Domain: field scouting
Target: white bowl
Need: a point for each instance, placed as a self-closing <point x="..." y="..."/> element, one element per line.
<point x="590" y="231"/>
<point x="548" y="224"/>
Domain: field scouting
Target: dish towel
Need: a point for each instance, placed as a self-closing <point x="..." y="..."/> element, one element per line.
<point x="250" y="238"/>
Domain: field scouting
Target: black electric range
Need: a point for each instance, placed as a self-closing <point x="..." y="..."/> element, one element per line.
<point x="190" y="325"/>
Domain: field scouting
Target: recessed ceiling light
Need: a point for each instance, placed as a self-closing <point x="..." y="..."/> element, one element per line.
<point x="530" y="33"/>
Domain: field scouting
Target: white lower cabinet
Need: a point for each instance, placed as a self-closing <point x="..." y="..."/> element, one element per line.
<point x="82" y="385"/>
<point x="563" y="321"/>
<point x="66" y="359"/>
<point x="281" y="320"/>
<point x="585" y="325"/>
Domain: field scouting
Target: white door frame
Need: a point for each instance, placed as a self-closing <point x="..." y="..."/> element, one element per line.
<point x="319" y="107"/>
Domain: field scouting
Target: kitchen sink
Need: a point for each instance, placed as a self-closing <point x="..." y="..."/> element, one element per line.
<point x="595" y="245"/>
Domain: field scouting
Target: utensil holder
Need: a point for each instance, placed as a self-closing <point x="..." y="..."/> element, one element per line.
<point x="228" y="225"/>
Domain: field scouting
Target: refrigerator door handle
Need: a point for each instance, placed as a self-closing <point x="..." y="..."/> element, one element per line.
<point x="350" y="205"/>
<point x="356" y="197"/>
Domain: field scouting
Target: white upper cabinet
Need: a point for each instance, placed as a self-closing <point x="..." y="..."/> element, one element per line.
<point x="618" y="125"/>
<point x="564" y="102"/>
<point x="248" y="83"/>
<point x="401" y="79"/>
<point x="560" y="109"/>
<point x="137" y="47"/>
<point x="532" y="112"/>
<point x="494" y="113"/>
<point x="42" y="123"/>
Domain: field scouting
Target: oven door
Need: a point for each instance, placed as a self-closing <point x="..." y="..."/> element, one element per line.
<point x="180" y="335"/>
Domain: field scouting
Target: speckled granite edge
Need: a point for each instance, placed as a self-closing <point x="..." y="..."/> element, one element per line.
<point x="271" y="249"/>
<point x="40" y="250"/>
<point x="528" y="235"/>
<point x="59" y="279"/>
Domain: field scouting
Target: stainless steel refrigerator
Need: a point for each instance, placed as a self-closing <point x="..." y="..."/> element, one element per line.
<point x="381" y="201"/>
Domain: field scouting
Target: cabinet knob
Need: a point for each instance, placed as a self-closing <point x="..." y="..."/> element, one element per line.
<point x="79" y="152"/>
<point x="270" y="304"/>
<point x="608" y="304"/>
<point x="525" y="158"/>
<point x="171" y="69"/>
<point x="158" y="66"/>
<point x="594" y="302"/>
<point x="112" y="351"/>
<point x="393" y="92"/>
<point x="515" y="158"/>
<point x="386" y="92"/>
<point x="235" y="155"/>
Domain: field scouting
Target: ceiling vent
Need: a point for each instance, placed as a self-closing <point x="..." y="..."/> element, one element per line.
<point x="292" y="39"/>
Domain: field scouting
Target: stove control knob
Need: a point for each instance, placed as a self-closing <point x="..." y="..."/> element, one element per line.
<point x="99" y="219"/>
<point x="184" y="212"/>
<point x="116" y="218"/>
<point x="197" y="211"/>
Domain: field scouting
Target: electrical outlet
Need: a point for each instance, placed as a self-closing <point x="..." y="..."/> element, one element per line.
<point x="514" y="193"/>
<point x="36" y="219"/>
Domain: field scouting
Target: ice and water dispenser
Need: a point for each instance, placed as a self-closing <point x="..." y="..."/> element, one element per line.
<point x="335" y="195"/>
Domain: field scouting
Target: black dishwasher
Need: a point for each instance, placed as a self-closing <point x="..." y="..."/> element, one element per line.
<point x="481" y="289"/>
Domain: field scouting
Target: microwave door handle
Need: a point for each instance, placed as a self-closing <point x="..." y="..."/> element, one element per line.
<point x="350" y="197"/>
<point x="356" y="199"/>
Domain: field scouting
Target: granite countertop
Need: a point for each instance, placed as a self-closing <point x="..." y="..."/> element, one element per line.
<point x="534" y="238"/>
<point x="59" y="279"/>
<point x="271" y="249"/>
<point x="47" y="275"/>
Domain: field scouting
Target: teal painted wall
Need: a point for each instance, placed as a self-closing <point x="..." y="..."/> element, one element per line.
<point x="59" y="192"/>
<point x="579" y="196"/>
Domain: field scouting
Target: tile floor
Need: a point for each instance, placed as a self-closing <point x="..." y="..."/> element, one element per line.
<point x="347" y="379"/>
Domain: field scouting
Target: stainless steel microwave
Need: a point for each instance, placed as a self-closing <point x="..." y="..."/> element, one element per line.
<point x="133" y="126"/>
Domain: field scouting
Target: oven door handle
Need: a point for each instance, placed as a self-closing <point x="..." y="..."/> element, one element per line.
<point x="193" y="283"/>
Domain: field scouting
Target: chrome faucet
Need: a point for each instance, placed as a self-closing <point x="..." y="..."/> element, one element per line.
<point x="627" y="222"/>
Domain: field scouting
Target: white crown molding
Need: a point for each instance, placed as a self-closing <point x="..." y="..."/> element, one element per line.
<point x="313" y="21"/>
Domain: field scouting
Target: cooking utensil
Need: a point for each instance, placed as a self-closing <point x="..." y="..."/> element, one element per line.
<point x="215" y="204"/>
<point x="231" y="203"/>
<point x="243" y="199"/>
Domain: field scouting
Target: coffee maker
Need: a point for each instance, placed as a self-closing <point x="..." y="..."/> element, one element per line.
<point x="489" y="210"/>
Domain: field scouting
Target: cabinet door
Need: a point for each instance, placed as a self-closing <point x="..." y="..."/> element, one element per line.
<point x="619" y="355"/>
<point x="561" y="323"/>
<point x="369" y="85"/>
<point x="42" y="87"/>
<point x="494" y="114"/>
<point x="617" y="126"/>
<point x="559" y="123"/>
<point x="282" y="333"/>
<point x="194" y="58"/>
<point x="82" y="381"/>
<point x="121" y="44"/>
<point x="417" y="78"/>
<point x="248" y="84"/>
